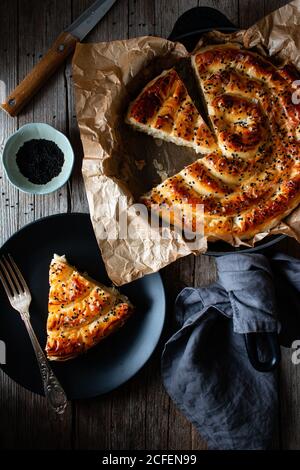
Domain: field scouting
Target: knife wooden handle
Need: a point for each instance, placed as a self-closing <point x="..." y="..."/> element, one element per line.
<point x="56" y="55"/>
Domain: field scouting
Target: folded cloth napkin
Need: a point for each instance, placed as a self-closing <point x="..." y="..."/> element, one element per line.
<point x="205" y="366"/>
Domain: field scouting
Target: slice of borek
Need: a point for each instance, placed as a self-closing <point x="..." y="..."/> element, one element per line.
<point x="165" y="110"/>
<point x="81" y="311"/>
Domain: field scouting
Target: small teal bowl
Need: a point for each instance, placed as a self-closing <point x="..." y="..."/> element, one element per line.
<point x="36" y="131"/>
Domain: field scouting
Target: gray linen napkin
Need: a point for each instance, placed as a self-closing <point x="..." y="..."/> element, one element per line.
<point x="205" y="366"/>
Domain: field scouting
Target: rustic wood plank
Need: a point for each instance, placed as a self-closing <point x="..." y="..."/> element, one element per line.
<point x="204" y="274"/>
<point x="250" y="11"/>
<point x="166" y="13"/>
<point x="92" y="423"/>
<point x="9" y="391"/>
<point x="229" y="8"/>
<point x="113" y="26"/>
<point x="272" y="5"/>
<point x="29" y="423"/>
<point x="9" y="196"/>
<point x="177" y="276"/>
<point x="157" y="402"/>
<point x="289" y="401"/>
<point x="128" y="414"/>
<point x="141" y="18"/>
<point x="49" y="105"/>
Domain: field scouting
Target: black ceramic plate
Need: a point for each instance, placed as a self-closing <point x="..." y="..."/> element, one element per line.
<point x="110" y="363"/>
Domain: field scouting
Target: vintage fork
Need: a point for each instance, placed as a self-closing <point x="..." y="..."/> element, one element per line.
<point x="20" y="298"/>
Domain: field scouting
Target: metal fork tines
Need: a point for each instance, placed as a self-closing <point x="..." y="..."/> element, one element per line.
<point x="19" y="297"/>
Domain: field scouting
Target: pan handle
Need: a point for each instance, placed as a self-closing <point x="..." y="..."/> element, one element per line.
<point x="269" y="341"/>
<point x="194" y="22"/>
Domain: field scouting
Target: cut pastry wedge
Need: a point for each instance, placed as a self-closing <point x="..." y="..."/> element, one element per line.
<point x="165" y="110"/>
<point x="81" y="311"/>
<point x="251" y="180"/>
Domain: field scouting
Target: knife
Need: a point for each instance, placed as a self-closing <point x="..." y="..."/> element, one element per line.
<point x="62" y="47"/>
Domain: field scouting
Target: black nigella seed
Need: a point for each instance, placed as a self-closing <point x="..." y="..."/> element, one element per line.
<point x="40" y="160"/>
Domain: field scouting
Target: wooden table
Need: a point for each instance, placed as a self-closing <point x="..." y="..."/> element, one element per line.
<point x="140" y="414"/>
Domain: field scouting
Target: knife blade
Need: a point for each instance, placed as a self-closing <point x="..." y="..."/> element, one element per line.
<point x="89" y="18"/>
<point x="62" y="47"/>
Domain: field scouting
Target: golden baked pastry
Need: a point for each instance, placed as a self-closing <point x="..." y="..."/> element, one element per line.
<point x="82" y="312"/>
<point x="165" y="110"/>
<point x="252" y="180"/>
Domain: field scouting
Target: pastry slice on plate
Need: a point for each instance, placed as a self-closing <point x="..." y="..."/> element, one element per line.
<point x="82" y="311"/>
<point x="165" y="110"/>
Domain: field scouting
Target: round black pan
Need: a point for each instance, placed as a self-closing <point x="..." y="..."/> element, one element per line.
<point x="188" y="30"/>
